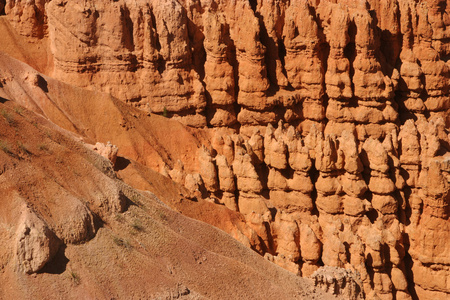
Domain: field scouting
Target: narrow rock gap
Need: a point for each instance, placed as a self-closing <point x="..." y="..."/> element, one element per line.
<point x="320" y="262"/>
<point x="404" y="113"/>
<point x="270" y="56"/>
<point x="94" y="35"/>
<point x="347" y="252"/>
<point x="282" y="53"/>
<point x="369" y="267"/>
<point x="198" y="52"/>
<point x="409" y="274"/>
<point x="325" y="53"/>
<point x="253" y="4"/>
<point x="232" y="58"/>
<point x="270" y="237"/>
<point x="209" y="109"/>
<point x="155" y="31"/>
<point x="385" y="250"/>
<point x="350" y="51"/>
<point x="314" y="175"/>
<point x="271" y="53"/>
<point x="127" y="29"/>
<point x="372" y="214"/>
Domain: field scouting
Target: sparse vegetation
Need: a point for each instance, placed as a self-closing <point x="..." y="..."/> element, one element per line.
<point x="162" y="216"/>
<point x="135" y="200"/>
<point x="5" y="147"/>
<point x="122" y="242"/>
<point x="75" y="278"/>
<point x="165" y="113"/>
<point x="8" y="117"/>
<point x="119" y="217"/>
<point x="22" y="148"/>
<point x="42" y="147"/>
<point x="18" y="110"/>
<point x="137" y="225"/>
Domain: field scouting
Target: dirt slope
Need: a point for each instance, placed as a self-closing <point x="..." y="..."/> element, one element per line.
<point x="150" y="139"/>
<point x="104" y="239"/>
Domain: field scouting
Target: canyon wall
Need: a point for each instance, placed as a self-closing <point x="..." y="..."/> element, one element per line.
<point x="328" y="120"/>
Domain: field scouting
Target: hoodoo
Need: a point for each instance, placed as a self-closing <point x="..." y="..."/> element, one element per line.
<point x="314" y="132"/>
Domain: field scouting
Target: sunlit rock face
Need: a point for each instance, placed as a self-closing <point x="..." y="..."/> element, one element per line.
<point x="337" y="151"/>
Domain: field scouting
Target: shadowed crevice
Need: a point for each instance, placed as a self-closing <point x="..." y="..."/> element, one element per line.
<point x="58" y="264"/>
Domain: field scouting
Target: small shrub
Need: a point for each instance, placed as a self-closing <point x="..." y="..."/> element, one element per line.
<point x="165" y="113"/>
<point x="18" y="110"/>
<point x="5" y="147"/>
<point x="75" y="278"/>
<point x="137" y="225"/>
<point x="162" y="216"/>
<point x="43" y="147"/>
<point x="22" y="148"/>
<point x="122" y="242"/>
<point x="9" y="119"/>
<point x="119" y="217"/>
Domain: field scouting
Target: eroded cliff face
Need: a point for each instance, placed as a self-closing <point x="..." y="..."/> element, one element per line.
<point x="328" y="121"/>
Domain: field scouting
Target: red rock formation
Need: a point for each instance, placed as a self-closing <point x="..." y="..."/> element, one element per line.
<point x="355" y="174"/>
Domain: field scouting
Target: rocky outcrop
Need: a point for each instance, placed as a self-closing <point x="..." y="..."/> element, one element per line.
<point x="350" y="63"/>
<point x="36" y="244"/>
<point x="338" y="147"/>
<point x="339" y="202"/>
<point x="108" y="151"/>
<point x="339" y="282"/>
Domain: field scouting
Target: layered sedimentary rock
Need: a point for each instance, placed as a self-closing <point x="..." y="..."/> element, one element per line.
<point x="378" y="207"/>
<point x="339" y="114"/>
